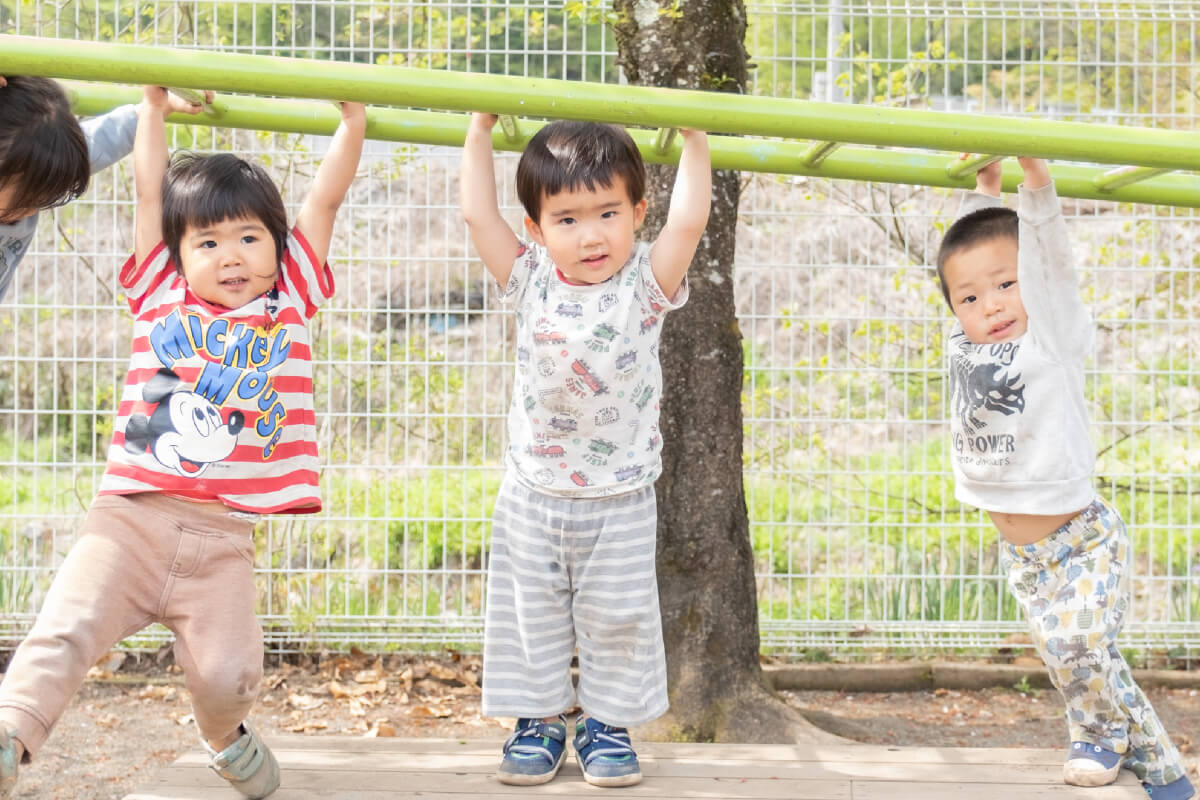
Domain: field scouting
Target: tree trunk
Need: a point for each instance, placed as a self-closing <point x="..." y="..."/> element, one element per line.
<point x="705" y="562"/>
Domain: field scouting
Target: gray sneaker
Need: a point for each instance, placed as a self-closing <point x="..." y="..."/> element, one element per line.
<point x="8" y="764"/>
<point x="247" y="764"/>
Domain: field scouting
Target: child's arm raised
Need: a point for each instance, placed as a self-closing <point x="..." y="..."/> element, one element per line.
<point x="494" y="240"/>
<point x="149" y="167"/>
<point x="687" y="217"/>
<point x="150" y="163"/>
<point x="333" y="180"/>
<point x="1049" y="282"/>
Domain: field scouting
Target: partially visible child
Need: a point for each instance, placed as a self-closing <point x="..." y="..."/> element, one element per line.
<point x="215" y="426"/>
<point x="573" y="541"/>
<point x="1022" y="452"/>
<point x="47" y="156"/>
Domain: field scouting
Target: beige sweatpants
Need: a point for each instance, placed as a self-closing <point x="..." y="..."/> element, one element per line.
<point x="140" y="559"/>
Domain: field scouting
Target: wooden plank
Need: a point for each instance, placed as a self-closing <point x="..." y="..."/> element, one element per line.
<point x="194" y="781"/>
<point x="700" y="751"/>
<point x="369" y="769"/>
<point x="485" y="763"/>
<point x="1125" y="789"/>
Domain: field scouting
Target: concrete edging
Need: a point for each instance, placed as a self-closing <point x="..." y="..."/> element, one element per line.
<point x="939" y="675"/>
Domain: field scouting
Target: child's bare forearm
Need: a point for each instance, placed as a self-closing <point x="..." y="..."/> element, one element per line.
<point x="477" y="173"/>
<point x="333" y="180"/>
<point x="691" y="197"/>
<point x="494" y="240"/>
<point x="149" y="167"/>
<point x="1037" y="173"/>
<point x="687" y="216"/>
<point x="337" y="169"/>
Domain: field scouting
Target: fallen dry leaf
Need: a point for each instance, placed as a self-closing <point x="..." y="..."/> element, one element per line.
<point x="305" y="702"/>
<point x="111" y="662"/>
<point x="308" y="726"/>
<point x="381" y="728"/>
<point x="442" y="672"/>
<point x="372" y="675"/>
<point x="440" y="712"/>
<point x="158" y="692"/>
<point x="341" y="691"/>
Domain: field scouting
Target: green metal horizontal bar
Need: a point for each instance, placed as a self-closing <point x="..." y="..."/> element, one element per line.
<point x="408" y="87"/>
<point x="818" y="152"/>
<point x="728" y="152"/>
<point x="965" y="167"/>
<point x="1124" y="176"/>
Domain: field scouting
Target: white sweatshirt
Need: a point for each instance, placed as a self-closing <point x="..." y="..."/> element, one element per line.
<point x="1020" y="442"/>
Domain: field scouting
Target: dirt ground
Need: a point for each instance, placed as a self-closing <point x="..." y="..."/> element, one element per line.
<point x="126" y="724"/>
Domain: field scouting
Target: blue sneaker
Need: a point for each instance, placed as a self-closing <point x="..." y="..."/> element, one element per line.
<point x="1178" y="789"/>
<point x="8" y="764"/>
<point x="1091" y="765"/>
<point x="534" y="752"/>
<point x="605" y="754"/>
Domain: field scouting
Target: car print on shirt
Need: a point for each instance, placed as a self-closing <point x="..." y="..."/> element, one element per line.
<point x="642" y="395"/>
<point x="602" y="338"/>
<point x="598" y="452"/>
<point x="546" y="450"/>
<point x="586" y="380"/>
<point x="626" y="362"/>
<point x="628" y="473"/>
<point x="570" y="310"/>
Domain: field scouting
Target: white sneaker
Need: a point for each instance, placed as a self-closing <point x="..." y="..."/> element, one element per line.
<point x="248" y="764"/>
<point x="1091" y="765"/>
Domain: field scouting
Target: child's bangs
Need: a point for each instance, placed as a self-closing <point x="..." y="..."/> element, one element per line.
<point x="207" y="208"/>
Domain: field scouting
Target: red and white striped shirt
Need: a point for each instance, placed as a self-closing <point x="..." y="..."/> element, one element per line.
<point x="218" y="403"/>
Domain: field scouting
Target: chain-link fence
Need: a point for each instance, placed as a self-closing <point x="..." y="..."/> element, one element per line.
<point x="858" y="539"/>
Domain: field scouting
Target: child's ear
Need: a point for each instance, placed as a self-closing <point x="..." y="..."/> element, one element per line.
<point x="639" y="213"/>
<point x="535" y="231"/>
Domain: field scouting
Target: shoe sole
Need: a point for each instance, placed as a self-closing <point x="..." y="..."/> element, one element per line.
<point x="520" y="779"/>
<point x="608" y="781"/>
<point x="1090" y="777"/>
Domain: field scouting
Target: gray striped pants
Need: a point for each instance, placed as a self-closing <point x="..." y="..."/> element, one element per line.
<point x="573" y="572"/>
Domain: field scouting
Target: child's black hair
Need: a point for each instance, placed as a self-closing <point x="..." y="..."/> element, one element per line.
<point x="985" y="224"/>
<point x="566" y="155"/>
<point x="201" y="190"/>
<point x="43" y="151"/>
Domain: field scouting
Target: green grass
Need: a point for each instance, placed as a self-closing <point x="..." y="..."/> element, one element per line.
<point x="877" y="537"/>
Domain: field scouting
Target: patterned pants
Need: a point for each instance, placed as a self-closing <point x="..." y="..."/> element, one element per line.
<point x="1074" y="587"/>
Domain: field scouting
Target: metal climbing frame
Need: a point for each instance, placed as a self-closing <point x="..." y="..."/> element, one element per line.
<point x="1143" y="154"/>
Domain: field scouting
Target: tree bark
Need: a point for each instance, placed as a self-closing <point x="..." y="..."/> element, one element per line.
<point x="705" y="561"/>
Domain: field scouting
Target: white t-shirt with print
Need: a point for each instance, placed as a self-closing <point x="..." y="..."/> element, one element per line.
<point x="584" y="415"/>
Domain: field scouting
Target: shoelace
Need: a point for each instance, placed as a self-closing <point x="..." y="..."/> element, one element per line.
<point x="618" y="744"/>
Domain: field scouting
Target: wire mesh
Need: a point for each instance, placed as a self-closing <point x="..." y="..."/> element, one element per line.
<point x="859" y="543"/>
